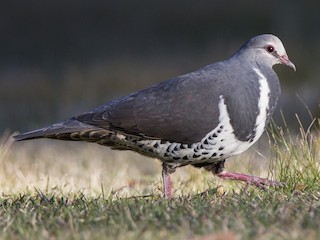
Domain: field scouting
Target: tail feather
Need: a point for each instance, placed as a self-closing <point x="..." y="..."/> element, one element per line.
<point x="68" y="130"/>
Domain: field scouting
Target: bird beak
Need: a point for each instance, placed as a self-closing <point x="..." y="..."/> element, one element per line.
<point x="285" y="60"/>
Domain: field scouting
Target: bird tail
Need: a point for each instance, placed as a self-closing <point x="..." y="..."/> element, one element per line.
<point x="68" y="130"/>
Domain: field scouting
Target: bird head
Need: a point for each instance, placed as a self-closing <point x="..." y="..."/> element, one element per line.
<point x="268" y="49"/>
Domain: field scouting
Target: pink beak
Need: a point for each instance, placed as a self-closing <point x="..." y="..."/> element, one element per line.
<point x="285" y="60"/>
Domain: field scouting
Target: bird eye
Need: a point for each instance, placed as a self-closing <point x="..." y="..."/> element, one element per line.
<point x="270" y="49"/>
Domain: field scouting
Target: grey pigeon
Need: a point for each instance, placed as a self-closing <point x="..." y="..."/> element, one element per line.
<point x="199" y="119"/>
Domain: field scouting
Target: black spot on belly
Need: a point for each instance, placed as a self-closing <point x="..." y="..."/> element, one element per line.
<point x="221" y="154"/>
<point x="206" y="141"/>
<point x="202" y="146"/>
<point x="168" y="149"/>
<point x="176" y="158"/>
<point x="221" y="148"/>
<point x="214" y="135"/>
<point x="221" y="127"/>
<point x="214" y="154"/>
<point x="176" y="148"/>
<point x="219" y="131"/>
<point x="183" y="146"/>
<point x="205" y="153"/>
<point x="195" y="156"/>
<point x="156" y="145"/>
<point x="185" y="158"/>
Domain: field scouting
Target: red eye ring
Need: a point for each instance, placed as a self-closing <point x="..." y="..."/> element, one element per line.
<point x="269" y="49"/>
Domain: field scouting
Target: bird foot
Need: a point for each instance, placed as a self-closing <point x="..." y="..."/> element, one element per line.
<point x="259" y="182"/>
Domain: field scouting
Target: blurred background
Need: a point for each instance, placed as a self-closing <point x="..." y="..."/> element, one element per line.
<point x="60" y="58"/>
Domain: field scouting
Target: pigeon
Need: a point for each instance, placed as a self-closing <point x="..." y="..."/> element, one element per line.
<point x="200" y="118"/>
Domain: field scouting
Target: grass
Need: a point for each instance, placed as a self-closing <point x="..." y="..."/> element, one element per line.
<point x="297" y="159"/>
<point x="253" y="215"/>
<point x="59" y="190"/>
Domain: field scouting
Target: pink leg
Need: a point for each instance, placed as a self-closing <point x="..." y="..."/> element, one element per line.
<point x="249" y="179"/>
<point x="166" y="182"/>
